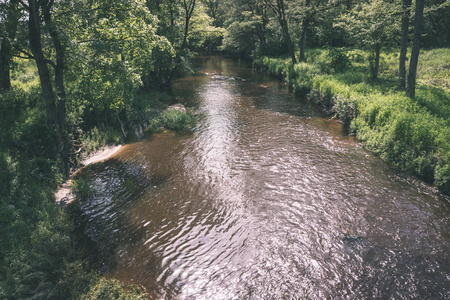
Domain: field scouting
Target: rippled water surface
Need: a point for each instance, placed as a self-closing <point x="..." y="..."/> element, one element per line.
<point x="266" y="199"/>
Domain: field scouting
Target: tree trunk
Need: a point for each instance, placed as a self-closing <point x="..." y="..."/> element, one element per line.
<point x="34" y="28"/>
<point x="280" y="11"/>
<point x="261" y="27"/>
<point x="289" y="44"/>
<point x="411" y="89"/>
<point x="53" y="112"/>
<point x="303" y="40"/>
<point x="59" y="68"/>
<point x="213" y="6"/>
<point x="186" y="30"/>
<point x="189" y="9"/>
<point x="5" y="65"/>
<point x="12" y="20"/>
<point x="145" y="82"/>
<point x="404" y="45"/>
<point x="376" y="65"/>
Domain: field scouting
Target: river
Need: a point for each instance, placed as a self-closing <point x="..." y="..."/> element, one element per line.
<point x="265" y="199"/>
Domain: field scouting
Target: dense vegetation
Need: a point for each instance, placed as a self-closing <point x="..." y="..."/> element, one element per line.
<point x="76" y="75"/>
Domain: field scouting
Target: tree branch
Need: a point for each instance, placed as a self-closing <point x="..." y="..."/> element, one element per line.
<point x="28" y="55"/>
<point x="23" y="57"/>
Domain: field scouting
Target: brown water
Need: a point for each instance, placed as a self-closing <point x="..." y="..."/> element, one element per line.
<point x="266" y="199"/>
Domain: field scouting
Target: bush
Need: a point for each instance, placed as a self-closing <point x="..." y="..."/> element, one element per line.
<point x="442" y="176"/>
<point x="177" y="120"/>
<point x="173" y="120"/>
<point x="338" y="59"/>
<point x="97" y="138"/>
<point x="344" y="109"/>
<point x="82" y="188"/>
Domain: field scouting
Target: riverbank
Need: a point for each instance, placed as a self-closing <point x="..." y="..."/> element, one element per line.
<point x="39" y="255"/>
<point x="175" y="117"/>
<point x="411" y="134"/>
<point x="64" y="193"/>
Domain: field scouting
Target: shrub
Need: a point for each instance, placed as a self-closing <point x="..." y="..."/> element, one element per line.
<point x="82" y="188"/>
<point x="442" y="176"/>
<point x="339" y="60"/>
<point x="97" y="138"/>
<point x="177" y="120"/>
<point x="344" y="109"/>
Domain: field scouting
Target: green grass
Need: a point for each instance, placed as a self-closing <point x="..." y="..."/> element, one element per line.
<point x="412" y="134"/>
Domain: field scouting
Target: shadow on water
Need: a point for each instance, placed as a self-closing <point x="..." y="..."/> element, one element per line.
<point x="100" y="213"/>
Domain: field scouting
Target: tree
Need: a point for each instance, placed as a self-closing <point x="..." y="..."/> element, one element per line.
<point x="8" y="28"/>
<point x="306" y="10"/>
<point x="213" y="10"/>
<point x="279" y="10"/>
<point x="436" y="22"/>
<point x="203" y="34"/>
<point x="59" y="65"/>
<point x="260" y="15"/>
<point x="241" y="37"/>
<point x="118" y="49"/>
<point x="418" y="19"/>
<point x="371" y="24"/>
<point x="188" y="6"/>
<point x="54" y="102"/>
<point x="168" y="13"/>
<point x="406" y="11"/>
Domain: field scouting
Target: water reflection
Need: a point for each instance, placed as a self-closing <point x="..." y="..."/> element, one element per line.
<point x="265" y="200"/>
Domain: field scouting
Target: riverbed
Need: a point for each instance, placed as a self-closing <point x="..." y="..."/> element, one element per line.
<point x="266" y="199"/>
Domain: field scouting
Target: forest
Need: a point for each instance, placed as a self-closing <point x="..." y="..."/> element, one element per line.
<point x="76" y="75"/>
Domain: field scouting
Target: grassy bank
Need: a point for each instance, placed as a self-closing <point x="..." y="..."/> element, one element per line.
<point x="412" y="134"/>
<point x="39" y="256"/>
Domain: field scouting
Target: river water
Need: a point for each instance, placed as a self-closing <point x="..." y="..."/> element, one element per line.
<point x="266" y="199"/>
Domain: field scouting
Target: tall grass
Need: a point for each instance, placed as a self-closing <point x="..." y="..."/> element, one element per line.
<point x="412" y="134"/>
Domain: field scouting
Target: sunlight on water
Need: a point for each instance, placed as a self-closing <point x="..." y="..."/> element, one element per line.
<point x="266" y="199"/>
